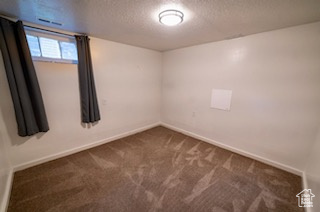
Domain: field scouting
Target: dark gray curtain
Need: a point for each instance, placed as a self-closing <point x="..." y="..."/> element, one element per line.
<point x="89" y="103"/>
<point x="25" y="91"/>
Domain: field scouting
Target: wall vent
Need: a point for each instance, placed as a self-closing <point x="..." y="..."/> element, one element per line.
<point x="49" y="22"/>
<point x="56" y="23"/>
<point x="43" y="20"/>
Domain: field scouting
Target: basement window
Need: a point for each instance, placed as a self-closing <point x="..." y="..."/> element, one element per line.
<point x="51" y="47"/>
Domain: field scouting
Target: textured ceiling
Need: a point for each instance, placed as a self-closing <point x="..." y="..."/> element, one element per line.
<point x="135" y="22"/>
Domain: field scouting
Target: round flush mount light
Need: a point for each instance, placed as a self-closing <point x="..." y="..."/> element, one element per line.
<point x="171" y="17"/>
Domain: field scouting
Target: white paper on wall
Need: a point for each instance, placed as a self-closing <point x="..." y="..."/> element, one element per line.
<point x="221" y="99"/>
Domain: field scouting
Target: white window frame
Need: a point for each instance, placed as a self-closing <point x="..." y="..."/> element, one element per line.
<point x="59" y="37"/>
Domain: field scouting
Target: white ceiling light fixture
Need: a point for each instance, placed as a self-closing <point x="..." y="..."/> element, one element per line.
<point x="171" y="17"/>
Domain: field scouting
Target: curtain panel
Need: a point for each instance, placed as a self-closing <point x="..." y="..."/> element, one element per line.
<point x="88" y="97"/>
<point x="23" y="83"/>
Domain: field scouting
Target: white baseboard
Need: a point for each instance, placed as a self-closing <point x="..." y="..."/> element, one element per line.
<point x="122" y="135"/>
<point x="81" y="148"/>
<point x="6" y="196"/>
<point x="236" y="150"/>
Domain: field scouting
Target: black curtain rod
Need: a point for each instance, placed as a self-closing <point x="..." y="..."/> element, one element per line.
<point x="47" y="30"/>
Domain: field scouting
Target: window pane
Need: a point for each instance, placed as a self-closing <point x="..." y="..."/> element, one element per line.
<point x="50" y="48"/>
<point x="69" y="51"/>
<point x="33" y="43"/>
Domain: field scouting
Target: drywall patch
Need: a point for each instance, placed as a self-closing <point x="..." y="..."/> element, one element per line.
<point x="221" y="99"/>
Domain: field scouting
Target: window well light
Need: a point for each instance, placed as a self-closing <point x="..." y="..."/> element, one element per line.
<point x="171" y="17"/>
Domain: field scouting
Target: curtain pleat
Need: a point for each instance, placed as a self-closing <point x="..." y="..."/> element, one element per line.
<point x="89" y="103"/>
<point x="24" y="87"/>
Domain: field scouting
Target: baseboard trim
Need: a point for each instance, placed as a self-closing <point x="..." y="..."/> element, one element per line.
<point x="191" y="134"/>
<point x="26" y="165"/>
<point x="6" y="197"/>
<point x="81" y="148"/>
<point x="236" y="150"/>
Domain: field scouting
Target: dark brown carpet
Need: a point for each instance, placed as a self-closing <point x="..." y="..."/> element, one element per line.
<point x="156" y="170"/>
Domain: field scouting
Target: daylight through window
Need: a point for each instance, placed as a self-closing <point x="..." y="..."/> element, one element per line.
<point x="51" y="47"/>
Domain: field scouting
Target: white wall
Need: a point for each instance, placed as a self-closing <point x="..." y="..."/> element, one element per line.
<point x="275" y="107"/>
<point x="276" y="92"/>
<point x="313" y="172"/>
<point x="4" y="170"/>
<point x="5" y="167"/>
<point x="127" y="78"/>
